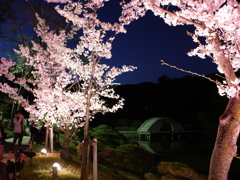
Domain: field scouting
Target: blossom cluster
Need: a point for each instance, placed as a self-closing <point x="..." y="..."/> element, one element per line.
<point x="5" y="65"/>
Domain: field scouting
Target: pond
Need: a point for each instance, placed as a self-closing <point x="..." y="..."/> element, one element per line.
<point x="194" y="152"/>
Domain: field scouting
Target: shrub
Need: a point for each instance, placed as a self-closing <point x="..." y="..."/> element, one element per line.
<point x="135" y="158"/>
<point x="107" y="137"/>
<point x="150" y="176"/>
<point x="129" y="157"/>
<point x="109" y="157"/>
<point x="177" y="171"/>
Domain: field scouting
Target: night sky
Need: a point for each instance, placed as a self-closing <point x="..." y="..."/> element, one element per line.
<point x="149" y="40"/>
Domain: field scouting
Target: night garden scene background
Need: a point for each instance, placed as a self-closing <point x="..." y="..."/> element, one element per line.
<point x="119" y="90"/>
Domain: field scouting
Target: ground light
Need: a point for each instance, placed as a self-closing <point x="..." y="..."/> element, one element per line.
<point x="43" y="152"/>
<point x="56" y="167"/>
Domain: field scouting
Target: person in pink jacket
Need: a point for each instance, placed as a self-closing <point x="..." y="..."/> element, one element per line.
<point x="18" y="130"/>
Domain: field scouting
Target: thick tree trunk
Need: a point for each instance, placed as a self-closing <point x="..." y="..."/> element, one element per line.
<point x="225" y="145"/>
<point x="65" y="154"/>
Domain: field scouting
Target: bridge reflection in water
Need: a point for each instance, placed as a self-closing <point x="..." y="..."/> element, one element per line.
<point x="159" y="135"/>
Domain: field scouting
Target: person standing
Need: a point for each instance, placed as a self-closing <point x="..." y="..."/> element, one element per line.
<point x="18" y="130"/>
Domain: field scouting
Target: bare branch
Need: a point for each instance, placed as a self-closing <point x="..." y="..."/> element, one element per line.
<point x="190" y="72"/>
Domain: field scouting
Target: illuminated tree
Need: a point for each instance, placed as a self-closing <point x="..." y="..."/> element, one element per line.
<point x="215" y="20"/>
<point x="18" y="28"/>
<point x="56" y="66"/>
<point x="218" y="22"/>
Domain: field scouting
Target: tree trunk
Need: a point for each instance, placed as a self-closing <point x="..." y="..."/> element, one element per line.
<point x="65" y="147"/>
<point x="84" y="170"/>
<point x="225" y="147"/>
<point x="12" y="114"/>
<point x="47" y="137"/>
<point x="51" y="139"/>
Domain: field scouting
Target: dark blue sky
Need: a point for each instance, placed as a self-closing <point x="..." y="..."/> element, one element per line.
<point x="149" y="40"/>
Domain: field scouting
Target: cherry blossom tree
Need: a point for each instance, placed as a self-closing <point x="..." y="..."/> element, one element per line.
<point x="217" y="21"/>
<point x="19" y="30"/>
<point x="95" y="44"/>
<point x="54" y="103"/>
<point x="56" y="66"/>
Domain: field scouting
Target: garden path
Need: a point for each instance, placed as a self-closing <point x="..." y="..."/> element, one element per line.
<point x="8" y="142"/>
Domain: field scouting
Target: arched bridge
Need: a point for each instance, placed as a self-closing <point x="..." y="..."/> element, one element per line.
<point x="159" y="135"/>
<point x="163" y="127"/>
<point x="156" y="123"/>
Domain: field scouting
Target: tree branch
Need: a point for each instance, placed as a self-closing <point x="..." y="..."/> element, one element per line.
<point x="195" y="23"/>
<point x="201" y="75"/>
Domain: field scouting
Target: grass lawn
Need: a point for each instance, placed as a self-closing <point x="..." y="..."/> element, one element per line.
<point x="40" y="166"/>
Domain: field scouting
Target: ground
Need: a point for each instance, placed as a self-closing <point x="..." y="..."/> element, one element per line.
<point x="8" y="142"/>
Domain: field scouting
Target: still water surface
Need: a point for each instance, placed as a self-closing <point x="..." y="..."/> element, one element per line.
<point x="195" y="152"/>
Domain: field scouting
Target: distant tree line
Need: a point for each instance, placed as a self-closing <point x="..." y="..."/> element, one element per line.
<point x="193" y="101"/>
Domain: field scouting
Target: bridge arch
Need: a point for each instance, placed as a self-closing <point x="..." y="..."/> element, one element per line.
<point x="155" y="124"/>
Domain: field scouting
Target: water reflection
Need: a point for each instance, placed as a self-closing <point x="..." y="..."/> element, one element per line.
<point x="194" y="151"/>
<point x="161" y="148"/>
<point x="161" y="144"/>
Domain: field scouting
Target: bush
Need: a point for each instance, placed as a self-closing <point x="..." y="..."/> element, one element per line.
<point x="107" y="137"/>
<point x="177" y="171"/>
<point x="129" y="157"/>
<point x="150" y="176"/>
<point x="109" y="158"/>
<point x="135" y="158"/>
